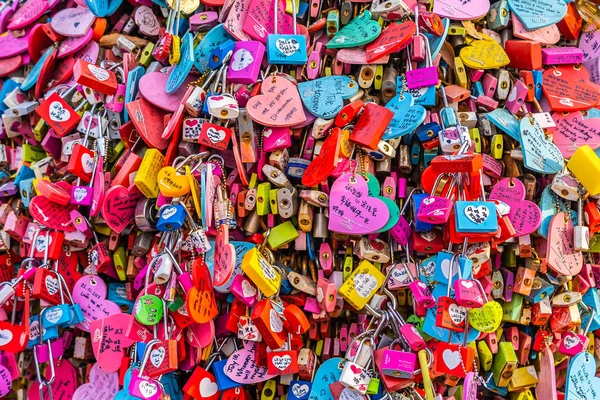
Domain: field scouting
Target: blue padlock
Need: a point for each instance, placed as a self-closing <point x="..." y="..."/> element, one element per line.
<point x="475" y="216"/>
<point x="419" y="225"/>
<point x="171" y="217"/>
<point x="285" y="48"/>
<point x="57" y="316"/>
<point x="428" y="131"/>
<point x="117" y="293"/>
<point x="219" y="54"/>
<point x="299" y="390"/>
<point x="223" y="381"/>
<point x="443" y="267"/>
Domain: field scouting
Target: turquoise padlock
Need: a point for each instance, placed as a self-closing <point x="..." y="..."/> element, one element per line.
<point x="475" y="216"/>
<point x="285" y="48"/>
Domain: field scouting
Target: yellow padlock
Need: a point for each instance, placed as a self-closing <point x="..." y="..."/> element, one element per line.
<point x="362" y="284"/>
<point x="146" y="177"/>
<point x="261" y="272"/>
<point x="585" y="166"/>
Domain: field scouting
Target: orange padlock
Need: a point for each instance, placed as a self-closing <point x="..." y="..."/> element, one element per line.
<point x="524" y="54"/>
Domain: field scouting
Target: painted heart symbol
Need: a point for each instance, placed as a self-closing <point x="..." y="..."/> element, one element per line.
<point x="352" y="210"/>
<point x="207" y="387"/>
<point x="407" y="116"/>
<point x="569" y="91"/>
<point x="157" y="356"/>
<point x="275" y="321"/>
<point x="477" y="215"/>
<point x="40" y="242"/>
<point x="539" y="154"/>
<point x="101" y="386"/>
<point x="148" y="389"/>
<point x="118" y="208"/>
<point x="247" y="289"/>
<point x="79" y="194"/>
<point x="279" y="104"/>
<point x="457" y="313"/>
<point x="58" y="113"/>
<point x="51" y="214"/>
<point x="536" y="14"/>
<point x="355" y="369"/>
<point x="191" y="122"/>
<point x="215" y="135"/>
<point x="451" y="358"/>
<point x="460" y="10"/>
<point x="394" y="38"/>
<point x="560" y="254"/>
<point x="324" y="97"/>
<point x="170" y="184"/>
<point x="281" y="363"/>
<point x="5" y="336"/>
<point x="484" y="54"/>
<point x="87" y="162"/>
<point x="300" y="390"/>
<point x="573" y="131"/>
<point x="525" y="215"/>
<point x="582" y="384"/>
<point x="365" y="284"/>
<point x="548" y="35"/>
<point x="287" y="46"/>
<point x="360" y="31"/>
<point x="90" y="293"/>
<point x="242" y="59"/>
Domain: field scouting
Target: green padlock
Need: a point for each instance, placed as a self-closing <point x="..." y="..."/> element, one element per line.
<point x="373" y="387"/>
<point x="148" y="309"/>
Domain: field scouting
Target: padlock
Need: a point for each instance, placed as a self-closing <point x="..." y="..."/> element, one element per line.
<point x="355" y="375"/>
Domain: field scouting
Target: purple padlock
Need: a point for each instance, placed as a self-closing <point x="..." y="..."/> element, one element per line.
<point x="423" y="77"/>
<point x="245" y="62"/>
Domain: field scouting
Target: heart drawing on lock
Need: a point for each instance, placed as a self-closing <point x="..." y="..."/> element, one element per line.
<point x="279" y="104"/>
<point x="352" y="210"/>
<point x="536" y="14"/>
<point x="287" y="47"/>
<point x="582" y="384"/>
<point x="241" y="59"/>
<point x="58" y="113"/>
<point x="451" y="358"/>
<point x="282" y="362"/>
<point x="207" y="387"/>
<point x="300" y="390"/>
<point x="118" y="208"/>
<point x="484" y="54"/>
<point x="148" y="389"/>
<point x="457" y="313"/>
<point x="360" y="31"/>
<point x="324" y="97"/>
<point x="524" y="215"/>
<point x="477" y="215"/>
<point x="215" y="135"/>
<point x="157" y="356"/>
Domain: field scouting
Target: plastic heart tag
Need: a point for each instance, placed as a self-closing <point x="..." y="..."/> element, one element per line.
<point x="560" y="254"/>
<point x="546" y="387"/>
<point x="573" y="131"/>
<point x="102" y="8"/>
<point x="51" y="214"/>
<point x="548" y="35"/>
<point x="360" y="31"/>
<point x="565" y="90"/>
<point x="524" y="214"/>
<point x="279" y="104"/>
<point x="90" y="293"/>
<point x="260" y="20"/>
<point x="328" y="372"/>
<point x="27" y="13"/>
<point x="460" y="10"/>
<point x="72" y="22"/>
<point x="539" y="154"/>
<point x="11" y="45"/>
<point x="407" y="116"/>
<point x="241" y="368"/>
<point x="101" y="386"/>
<point x="118" y="208"/>
<point x="109" y="340"/>
<point x="538" y="13"/>
<point x="394" y="38"/>
<point x="484" y="54"/>
<point x="63" y="386"/>
<point x="180" y="72"/>
<point x="582" y="383"/>
<point x="351" y="210"/>
<point x="590" y="42"/>
<point x="325" y="163"/>
<point x="324" y="97"/>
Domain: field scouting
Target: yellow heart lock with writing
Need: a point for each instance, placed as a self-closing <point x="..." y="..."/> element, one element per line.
<point x="484" y="54"/>
<point x="171" y="184"/>
<point x="486" y="318"/>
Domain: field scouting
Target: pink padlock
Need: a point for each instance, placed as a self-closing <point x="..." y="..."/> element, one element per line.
<point x="398" y="363"/>
<point x="562" y="55"/>
<point x="436" y="209"/>
<point x="244" y="290"/>
<point x="423" y="77"/>
<point x="275" y="138"/>
<point x="245" y="62"/>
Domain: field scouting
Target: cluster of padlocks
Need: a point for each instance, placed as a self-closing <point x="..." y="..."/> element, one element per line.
<point x="299" y="199"/>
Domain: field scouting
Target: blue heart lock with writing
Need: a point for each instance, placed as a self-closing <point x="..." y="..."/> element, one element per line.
<point x="324" y="97"/>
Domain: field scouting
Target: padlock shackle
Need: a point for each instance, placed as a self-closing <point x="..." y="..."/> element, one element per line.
<point x="275" y="27"/>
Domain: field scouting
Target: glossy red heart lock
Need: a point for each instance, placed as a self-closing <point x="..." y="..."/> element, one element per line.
<point x="58" y="114"/>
